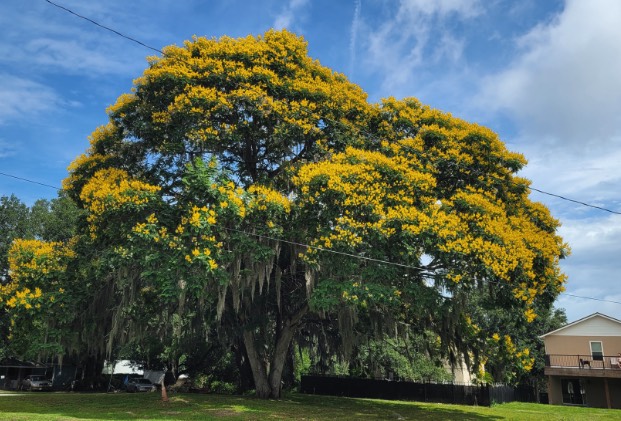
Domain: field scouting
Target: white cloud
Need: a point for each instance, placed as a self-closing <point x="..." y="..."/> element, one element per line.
<point x="593" y="265"/>
<point x="353" y="35"/>
<point x="408" y="39"/>
<point x="465" y="8"/>
<point x="75" y="57"/>
<point x="593" y="175"/>
<point x="6" y="149"/>
<point x="564" y="85"/>
<point x="23" y="97"/>
<point x="49" y="40"/>
<point x="286" y="18"/>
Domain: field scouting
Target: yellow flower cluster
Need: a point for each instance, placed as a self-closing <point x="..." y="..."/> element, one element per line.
<point x="264" y="198"/>
<point x="95" y="157"/>
<point x="372" y="191"/>
<point x="233" y="199"/>
<point x="84" y="162"/>
<point x="34" y="259"/>
<point x="110" y="189"/>
<point x="34" y="266"/>
<point x="121" y="102"/>
<point x="191" y="240"/>
<point x="258" y="71"/>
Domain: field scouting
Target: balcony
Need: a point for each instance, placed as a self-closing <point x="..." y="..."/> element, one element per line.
<point x="582" y="366"/>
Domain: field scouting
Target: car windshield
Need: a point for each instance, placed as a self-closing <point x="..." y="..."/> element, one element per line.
<point x="37" y="378"/>
<point x="142" y="381"/>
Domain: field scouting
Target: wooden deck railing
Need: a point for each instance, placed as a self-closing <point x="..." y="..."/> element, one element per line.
<point x="606" y="362"/>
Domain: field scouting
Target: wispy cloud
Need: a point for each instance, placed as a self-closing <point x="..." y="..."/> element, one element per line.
<point x="75" y="57"/>
<point x="560" y="91"/>
<point x="24" y="98"/>
<point x="63" y="42"/>
<point x="6" y="149"/>
<point x="564" y="86"/>
<point x="353" y="37"/>
<point x="286" y="18"/>
<point x="405" y="42"/>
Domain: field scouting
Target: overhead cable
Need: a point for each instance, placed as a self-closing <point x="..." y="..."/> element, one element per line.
<point x="30" y="181"/>
<point x="105" y="27"/>
<point x="356" y="256"/>
<point x="324" y="118"/>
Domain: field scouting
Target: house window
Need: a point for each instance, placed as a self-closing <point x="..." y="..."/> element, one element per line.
<point x="597" y="351"/>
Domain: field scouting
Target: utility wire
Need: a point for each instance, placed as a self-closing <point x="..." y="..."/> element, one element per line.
<point x="30" y="181"/>
<point x="300" y="244"/>
<point x="342" y="253"/>
<point x="360" y="131"/>
<point x="356" y="256"/>
<point x="424" y="272"/>
<point x="105" y="27"/>
<point x="592" y="298"/>
<point x="575" y="201"/>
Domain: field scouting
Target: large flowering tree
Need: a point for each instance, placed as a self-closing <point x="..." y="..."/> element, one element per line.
<point x="243" y="183"/>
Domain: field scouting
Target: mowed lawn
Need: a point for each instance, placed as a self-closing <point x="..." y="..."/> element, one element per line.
<point x="124" y="406"/>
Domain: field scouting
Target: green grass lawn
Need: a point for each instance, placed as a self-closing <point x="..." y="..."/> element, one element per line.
<point x="124" y="406"/>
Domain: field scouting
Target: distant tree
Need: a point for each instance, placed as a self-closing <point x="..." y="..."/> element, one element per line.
<point x="54" y="220"/>
<point x="14" y="223"/>
<point x="244" y="183"/>
<point x="38" y="313"/>
<point x="411" y="358"/>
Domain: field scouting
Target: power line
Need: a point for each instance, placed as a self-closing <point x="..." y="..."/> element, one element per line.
<point x="342" y="253"/>
<point x="575" y="201"/>
<point x="372" y="136"/>
<point x="30" y="181"/>
<point x="592" y="298"/>
<point x="360" y="131"/>
<point x="356" y="256"/>
<point x="423" y="274"/>
<point x="105" y="27"/>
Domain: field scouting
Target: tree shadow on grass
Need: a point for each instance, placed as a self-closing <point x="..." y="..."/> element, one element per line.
<point x="335" y="408"/>
<point x="123" y="406"/>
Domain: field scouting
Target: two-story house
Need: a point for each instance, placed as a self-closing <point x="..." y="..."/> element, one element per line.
<point x="583" y="362"/>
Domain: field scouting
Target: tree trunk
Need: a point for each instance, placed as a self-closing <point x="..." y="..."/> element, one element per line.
<point x="278" y="359"/>
<point x="246" y="382"/>
<point x="270" y="386"/>
<point x="257" y="365"/>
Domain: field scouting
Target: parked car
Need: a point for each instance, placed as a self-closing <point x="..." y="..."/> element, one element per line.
<point x="34" y="382"/>
<point x="140" y="384"/>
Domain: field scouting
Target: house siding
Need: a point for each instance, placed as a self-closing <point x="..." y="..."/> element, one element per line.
<point x="595" y="326"/>
<point x="580" y="345"/>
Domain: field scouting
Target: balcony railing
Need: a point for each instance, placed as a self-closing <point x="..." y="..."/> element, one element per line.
<point x="605" y="362"/>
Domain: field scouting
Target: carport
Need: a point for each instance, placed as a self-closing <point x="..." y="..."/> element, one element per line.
<point x="12" y="371"/>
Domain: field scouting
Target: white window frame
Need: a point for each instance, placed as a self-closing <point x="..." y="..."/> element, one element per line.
<point x="602" y="350"/>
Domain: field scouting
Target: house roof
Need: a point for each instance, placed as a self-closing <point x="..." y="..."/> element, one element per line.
<point x="584" y="320"/>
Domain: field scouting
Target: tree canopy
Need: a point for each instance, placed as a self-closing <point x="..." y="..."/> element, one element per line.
<point x="34" y="252"/>
<point x="244" y="185"/>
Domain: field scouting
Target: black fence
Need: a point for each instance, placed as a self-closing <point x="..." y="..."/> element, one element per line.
<point x="424" y="392"/>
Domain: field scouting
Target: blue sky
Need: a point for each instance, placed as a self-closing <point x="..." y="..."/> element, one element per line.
<point x="544" y="74"/>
